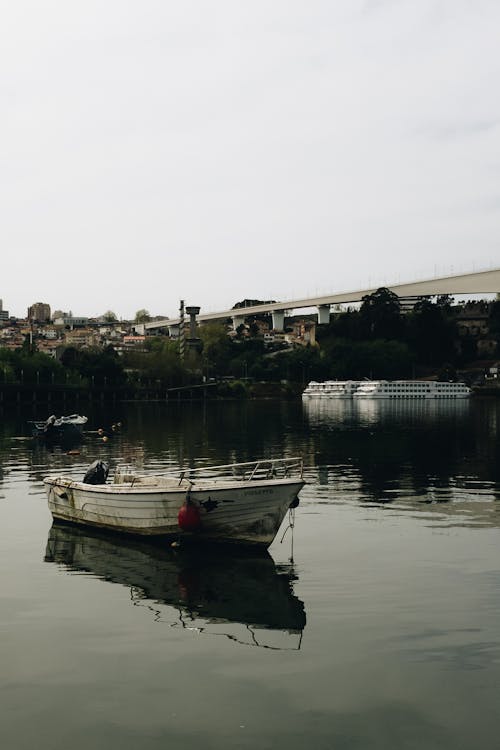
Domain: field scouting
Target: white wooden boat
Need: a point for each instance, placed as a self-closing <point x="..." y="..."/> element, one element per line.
<point x="243" y="502"/>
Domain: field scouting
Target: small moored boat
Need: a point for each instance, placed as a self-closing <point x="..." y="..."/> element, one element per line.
<point x="58" y="427"/>
<point x="243" y="502"/>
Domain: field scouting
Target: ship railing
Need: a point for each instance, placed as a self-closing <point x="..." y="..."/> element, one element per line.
<point x="247" y="471"/>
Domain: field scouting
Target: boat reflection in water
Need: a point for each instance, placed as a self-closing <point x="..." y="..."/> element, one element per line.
<point x="241" y="596"/>
<point x="364" y="412"/>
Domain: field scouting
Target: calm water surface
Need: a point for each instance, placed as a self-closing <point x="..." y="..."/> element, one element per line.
<point x="374" y="623"/>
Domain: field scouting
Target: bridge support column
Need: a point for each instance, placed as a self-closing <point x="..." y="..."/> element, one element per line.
<point x="323" y="314"/>
<point x="238" y="320"/>
<point x="278" y="320"/>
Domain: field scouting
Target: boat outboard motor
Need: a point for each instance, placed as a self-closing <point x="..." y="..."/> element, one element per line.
<point x="97" y="473"/>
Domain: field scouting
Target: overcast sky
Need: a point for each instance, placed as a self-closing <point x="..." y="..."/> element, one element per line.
<point x="212" y="151"/>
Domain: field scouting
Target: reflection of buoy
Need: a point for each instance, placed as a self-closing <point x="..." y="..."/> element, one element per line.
<point x="188" y="582"/>
<point x="188" y="517"/>
<point x="100" y="431"/>
<point x="104" y="439"/>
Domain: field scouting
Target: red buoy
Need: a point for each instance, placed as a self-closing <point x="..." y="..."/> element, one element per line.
<point x="188" y="517"/>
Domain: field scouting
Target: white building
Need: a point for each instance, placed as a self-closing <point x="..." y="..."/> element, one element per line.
<point x="4" y="314"/>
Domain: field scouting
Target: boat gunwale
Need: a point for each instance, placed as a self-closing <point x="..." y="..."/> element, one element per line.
<point x="136" y="489"/>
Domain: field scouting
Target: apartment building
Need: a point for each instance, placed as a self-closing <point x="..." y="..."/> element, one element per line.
<point x="39" y="312"/>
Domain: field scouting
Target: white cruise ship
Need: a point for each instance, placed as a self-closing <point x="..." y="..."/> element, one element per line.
<point x="394" y="389"/>
<point x="331" y="389"/>
<point x="403" y="389"/>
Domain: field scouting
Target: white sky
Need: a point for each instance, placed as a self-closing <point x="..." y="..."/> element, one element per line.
<point x="216" y="150"/>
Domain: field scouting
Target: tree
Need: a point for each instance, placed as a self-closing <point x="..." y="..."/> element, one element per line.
<point x="494" y="321"/>
<point x="445" y="300"/>
<point x="28" y="345"/>
<point x="104" y="366"/>
<point x="70" y="357"/>
<point x="343" y="325"/>
<point x="381" y="315"/>
<point x="447" y="374"/>
<point x="370" y="359"/>
<point x="303" y="363"/>
<point x="241" y="330"/>
<point x="217" y="347"/>
<point x="433" y="333"/>
<point x="29" y="367"/>
<point x="142" y="316"/>
<point x="160" y="363"/>
<point x="109" y="316"/>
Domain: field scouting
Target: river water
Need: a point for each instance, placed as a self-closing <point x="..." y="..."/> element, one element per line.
<point x="373" y="623"/>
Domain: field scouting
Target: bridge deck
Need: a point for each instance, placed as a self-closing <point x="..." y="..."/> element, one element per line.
<point x="479" y="282"/>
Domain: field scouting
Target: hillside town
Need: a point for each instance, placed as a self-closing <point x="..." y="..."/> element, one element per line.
<point x="383" y="337"/>
<point x="51" y="332"/>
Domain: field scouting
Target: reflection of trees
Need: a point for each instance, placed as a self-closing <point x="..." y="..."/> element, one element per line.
<point x="375" y="450"/>
<point x="386" y="460"/>
<point x="403" y="445"/>
<point x="184" y="434"/>
<point x="215" y="432"/>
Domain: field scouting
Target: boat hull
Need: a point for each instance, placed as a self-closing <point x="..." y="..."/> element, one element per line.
<point x="249" y="513"/>
<point x="412" y="396"/>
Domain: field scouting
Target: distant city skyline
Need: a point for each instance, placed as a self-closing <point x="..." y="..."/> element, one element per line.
<point x="154" y="152"/>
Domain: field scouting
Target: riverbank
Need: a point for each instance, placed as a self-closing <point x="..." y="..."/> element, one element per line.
<point x="19" y="393"/>
<point x="23" y="394"/>
<point x="487" y="390"/>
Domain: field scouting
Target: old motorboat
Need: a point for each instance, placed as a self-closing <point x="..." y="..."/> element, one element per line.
<point x="242" y="502"/>
<point x="59" y="427"/>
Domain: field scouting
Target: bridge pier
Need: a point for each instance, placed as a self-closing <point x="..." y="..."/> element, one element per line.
<point x="238" y="320"/>
<point x="323" y="314"/>
<point x="278" y="317"/>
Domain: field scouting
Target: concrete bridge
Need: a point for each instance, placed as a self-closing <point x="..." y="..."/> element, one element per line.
<point x="480" y="282"/>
